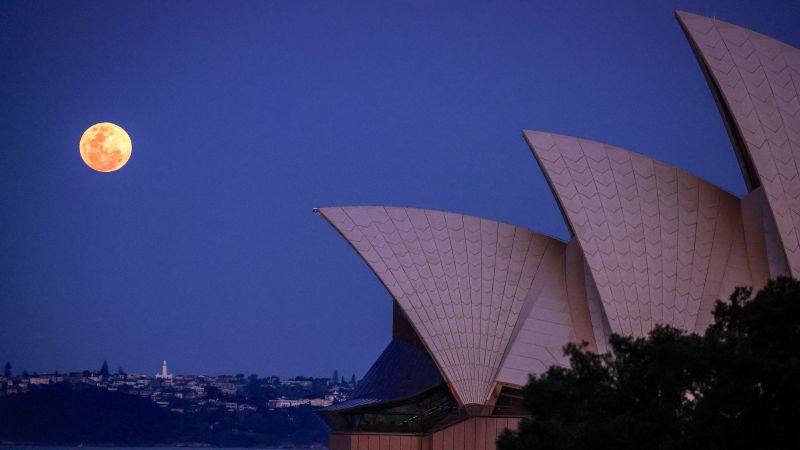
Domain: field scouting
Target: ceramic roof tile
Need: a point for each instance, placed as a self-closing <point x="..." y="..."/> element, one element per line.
<point x="648" y="254"/>
<point x="548" y="319"/>
<point x="757" y="77"/>
<point x="467" y="322"/>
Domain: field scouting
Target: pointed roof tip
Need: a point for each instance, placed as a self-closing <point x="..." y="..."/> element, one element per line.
<point x="532" y="135"/>
<point x="535" y="137"/>
<point x="527" y="133"/>
<point x="682" y="16"/>
<point x="321" y="210"/>
<point x="681" y="13"/>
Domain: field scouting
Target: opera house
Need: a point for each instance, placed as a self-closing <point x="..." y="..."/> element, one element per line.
<point x="479" y="304"/>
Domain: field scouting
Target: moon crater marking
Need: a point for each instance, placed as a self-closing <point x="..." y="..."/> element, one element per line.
<point x="105" y="147"/>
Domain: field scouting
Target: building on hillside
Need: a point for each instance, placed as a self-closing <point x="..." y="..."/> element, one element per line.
<point x="479" y="304"/>
<point x="291" y="403"/>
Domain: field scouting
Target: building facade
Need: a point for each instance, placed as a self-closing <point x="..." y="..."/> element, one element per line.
<point x="479" y="304"/>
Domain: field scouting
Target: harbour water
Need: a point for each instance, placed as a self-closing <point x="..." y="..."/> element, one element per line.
<point x="61" y="447"/>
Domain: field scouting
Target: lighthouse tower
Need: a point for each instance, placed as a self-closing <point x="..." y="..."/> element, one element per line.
<point x="164" y="375"/>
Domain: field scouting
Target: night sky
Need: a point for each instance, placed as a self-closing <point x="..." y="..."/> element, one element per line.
<point x="244" y="116"/>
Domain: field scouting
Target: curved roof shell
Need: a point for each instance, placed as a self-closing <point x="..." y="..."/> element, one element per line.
<point x="493" y="302"/>
<point x="756" y="82"/>
<point x="661" y="244"/>
<point x="467" y="285"/>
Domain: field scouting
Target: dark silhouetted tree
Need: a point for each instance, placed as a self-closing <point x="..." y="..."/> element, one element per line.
<point x="335" y="377"/>
<point x="104" y="369"/>
<point x="735" y="387"/>
<point x="7" y="370"/>
<point x="253" y="387"/>
<point x="353" y="379"/>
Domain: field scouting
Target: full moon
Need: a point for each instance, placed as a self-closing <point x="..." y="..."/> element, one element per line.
<point x="105" y="147"/>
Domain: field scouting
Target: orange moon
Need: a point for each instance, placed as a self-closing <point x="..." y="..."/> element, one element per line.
<point x="105" y="147"/>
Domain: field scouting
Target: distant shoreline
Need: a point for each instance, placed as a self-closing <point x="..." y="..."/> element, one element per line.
<point x="179" y="412"/>
<point x="27" y="445"/>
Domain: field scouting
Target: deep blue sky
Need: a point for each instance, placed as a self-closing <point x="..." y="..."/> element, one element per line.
<point x="244" y="116"/>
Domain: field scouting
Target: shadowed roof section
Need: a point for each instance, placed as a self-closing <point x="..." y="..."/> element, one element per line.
<point x="401" y="372"/>
<point x="461" y="280"/>
<point x="661" y="244"/>
<point x="756" y="82"/>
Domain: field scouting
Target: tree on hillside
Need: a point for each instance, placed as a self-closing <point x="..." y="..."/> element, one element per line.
<point x="7" y="370"/>
<point x="735" y="387"/>
<point x="253" y="388"/>
<point x="353" y="379"/>
<point x="104" y="369"/>
<point x="335" y="377"/>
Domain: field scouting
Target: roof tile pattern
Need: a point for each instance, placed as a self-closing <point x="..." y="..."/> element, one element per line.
<point x="653" y="244"/>
<point x="547" y="322"/>
<point x="729" y="265"/>
<point x="759" y="80"/>
<point x="755" y="212"/>
<point x="462" y="281"/>
<point x="584" y="320"/>
<point x="648" y="231"/>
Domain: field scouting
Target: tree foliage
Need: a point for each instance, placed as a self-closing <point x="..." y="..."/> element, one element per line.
<point x="735" y="387"/>
<point x="104" y="369"/>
